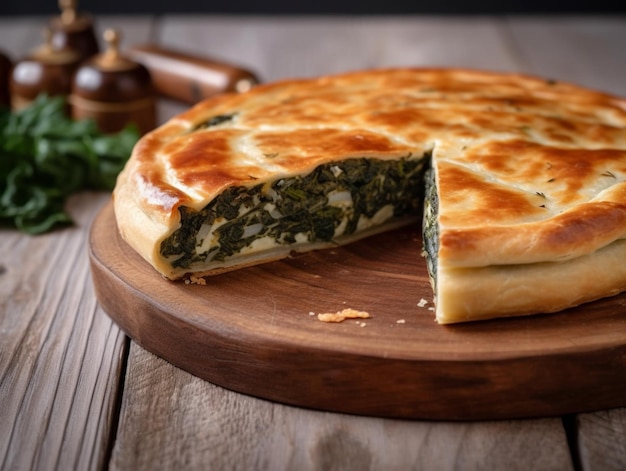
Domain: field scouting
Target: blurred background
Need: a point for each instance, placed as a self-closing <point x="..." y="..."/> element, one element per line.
<point x="365" y="7"/>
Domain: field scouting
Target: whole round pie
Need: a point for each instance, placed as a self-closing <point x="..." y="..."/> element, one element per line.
<point x="518" y="182"/>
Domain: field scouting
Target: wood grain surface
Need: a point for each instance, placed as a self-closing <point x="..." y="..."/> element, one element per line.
<point x="256" y="323"/>
<point x="75" y="393"/>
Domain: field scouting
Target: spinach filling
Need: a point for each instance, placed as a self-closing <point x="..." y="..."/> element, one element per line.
<point x="213" y="121"/>
<point x="317" y="207"/>
<point x="430" y="226"/>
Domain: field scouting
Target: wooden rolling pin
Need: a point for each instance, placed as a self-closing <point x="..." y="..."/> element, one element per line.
<point x="190" y="78"/>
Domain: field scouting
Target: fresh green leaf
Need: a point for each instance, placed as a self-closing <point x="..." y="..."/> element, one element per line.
<point x="45" y="157"/>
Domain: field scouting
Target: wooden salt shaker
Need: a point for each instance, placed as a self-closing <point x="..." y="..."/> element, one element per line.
<point x="46" y="70"/>
<point x="5" y="71"/>
<point x="114" y="90"/>
<point x="74" y="30"/>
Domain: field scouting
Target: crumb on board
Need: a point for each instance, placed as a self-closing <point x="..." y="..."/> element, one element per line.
<point x="195" y="280"/>
<point x="400" y="321"/>
<point x="423" y="302"/>
<point x="341" y="316"/>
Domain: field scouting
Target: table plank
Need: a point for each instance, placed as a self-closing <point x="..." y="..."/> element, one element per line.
<point x="589" y="51"/>
<point x="21" y="35"/>
<point x="172" y="419"/>
<point x="279" y="47"/>
<point x="602" y="440"/>
<point x="61" y="357"/>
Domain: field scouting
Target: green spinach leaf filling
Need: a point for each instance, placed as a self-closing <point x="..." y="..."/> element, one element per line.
<point x="213" y="121"/>
<point x="430" y="226"/>
<point x="328" y="202"/>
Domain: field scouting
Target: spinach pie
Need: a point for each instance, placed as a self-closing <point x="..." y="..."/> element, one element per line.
<point x="518" y="182"/>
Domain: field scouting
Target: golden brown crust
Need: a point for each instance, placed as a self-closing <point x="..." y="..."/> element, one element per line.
<point x="470" y="294"/>
<point x="524" y="202"/>
<point x="529" y="170"/>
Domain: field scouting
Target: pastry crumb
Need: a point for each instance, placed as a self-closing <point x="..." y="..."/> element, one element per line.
<point x="195" y="280"/>
<point x="423" y="302"/>
<point x="341" y="316"/>
<point x="400" y="321"/>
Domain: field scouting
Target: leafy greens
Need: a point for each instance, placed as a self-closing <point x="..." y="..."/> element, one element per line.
<point x="295" y="206"/>
<point x="45" y="157"/>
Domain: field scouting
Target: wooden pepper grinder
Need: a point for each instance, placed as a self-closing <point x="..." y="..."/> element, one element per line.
<point x="46" y="70"/>
<point x="114" y="90"/>
<point x="74" y="30"/>
<point x="5" y="71"/>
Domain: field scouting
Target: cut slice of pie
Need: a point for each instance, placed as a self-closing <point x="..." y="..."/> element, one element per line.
<point x="524" y="200"/>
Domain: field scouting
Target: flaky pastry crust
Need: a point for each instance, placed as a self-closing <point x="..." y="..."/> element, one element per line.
<point x="531" y="173"/>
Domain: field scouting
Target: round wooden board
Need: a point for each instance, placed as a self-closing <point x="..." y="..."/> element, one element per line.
<point x="252" y="331"/>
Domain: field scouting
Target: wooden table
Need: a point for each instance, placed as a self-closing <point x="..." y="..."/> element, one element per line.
<point x="76" y="393"/>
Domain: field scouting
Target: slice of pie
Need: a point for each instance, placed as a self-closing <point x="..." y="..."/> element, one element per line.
<point x="522" y="181"/>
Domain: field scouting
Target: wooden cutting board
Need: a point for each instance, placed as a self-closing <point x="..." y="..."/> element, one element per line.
<point x="253" y="331"/>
